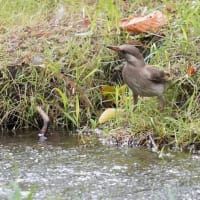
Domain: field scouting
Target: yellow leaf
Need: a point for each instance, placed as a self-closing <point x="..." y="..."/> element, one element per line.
<point x="109" y="114"/>
<point x="109" y="92"/>
<point x="122" y="89"/>
<point x="106" y="90"/>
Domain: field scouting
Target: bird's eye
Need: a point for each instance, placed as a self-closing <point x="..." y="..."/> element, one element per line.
<point x="123" y="52"/>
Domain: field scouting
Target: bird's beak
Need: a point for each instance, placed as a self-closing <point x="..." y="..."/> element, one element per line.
<point x="114" y="48"/>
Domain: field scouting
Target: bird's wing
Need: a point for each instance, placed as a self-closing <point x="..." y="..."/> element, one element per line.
<point x="156" y="75"/>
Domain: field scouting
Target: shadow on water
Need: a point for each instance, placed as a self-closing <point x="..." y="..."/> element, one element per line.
<point x="61" y="168"/>
<point x="57" y="138"/>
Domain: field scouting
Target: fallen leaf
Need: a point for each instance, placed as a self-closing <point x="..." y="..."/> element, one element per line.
<point x="191" y="70"/>
<point x="107" y="90"/>
<point x="86" y="22"/>
<point x="142" y="24"/>
<point x="71" y="86"/>
<point x="109" y="114"/>
<point x="109" y="94"/>
<point x="84" y="25"/>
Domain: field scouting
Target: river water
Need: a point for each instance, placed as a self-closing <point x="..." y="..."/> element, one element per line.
<point x="60" y="168"/>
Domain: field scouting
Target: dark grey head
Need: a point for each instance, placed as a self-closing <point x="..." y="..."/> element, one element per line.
<point x="130" y="53"/>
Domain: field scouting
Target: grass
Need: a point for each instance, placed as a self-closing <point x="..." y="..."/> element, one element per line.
<point x="16" y="193"/>
<point x="61" y="69"/>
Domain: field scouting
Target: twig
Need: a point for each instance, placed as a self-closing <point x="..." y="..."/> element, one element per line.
<point x="155" y="148"/>
<point x="45" y="118"/>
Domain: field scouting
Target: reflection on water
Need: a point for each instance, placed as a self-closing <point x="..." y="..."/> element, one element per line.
<point x="60" y="168"/>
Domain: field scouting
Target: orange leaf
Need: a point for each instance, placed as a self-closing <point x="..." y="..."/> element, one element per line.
<point x="152" y="22"/>
<point x="191" y="70"/>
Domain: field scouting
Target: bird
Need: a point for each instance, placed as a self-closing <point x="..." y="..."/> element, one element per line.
<point x="144" y="80"/>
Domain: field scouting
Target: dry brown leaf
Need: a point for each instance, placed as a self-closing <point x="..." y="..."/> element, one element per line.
<point x="71" y="86"/>
<point x="86" y="23"/>
<point x="191" y="70"/>
<point x="142" y="24"/>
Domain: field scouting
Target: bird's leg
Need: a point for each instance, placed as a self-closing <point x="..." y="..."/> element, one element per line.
<point x="161" y="103"/>
<point x="135" y="100"/>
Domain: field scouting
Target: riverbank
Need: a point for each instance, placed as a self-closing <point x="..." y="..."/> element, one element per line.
<point x="53" y="55"/>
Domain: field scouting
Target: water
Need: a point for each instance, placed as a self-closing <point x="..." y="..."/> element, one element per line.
<point x="62" y="169"/>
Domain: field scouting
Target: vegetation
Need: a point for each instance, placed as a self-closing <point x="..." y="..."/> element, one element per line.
<point x="53" y="56"/>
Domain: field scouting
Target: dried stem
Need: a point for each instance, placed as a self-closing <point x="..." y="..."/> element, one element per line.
<point x="45" y="118"/>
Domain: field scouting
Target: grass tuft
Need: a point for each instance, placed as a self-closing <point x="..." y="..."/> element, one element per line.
<point x="50" y="56"/>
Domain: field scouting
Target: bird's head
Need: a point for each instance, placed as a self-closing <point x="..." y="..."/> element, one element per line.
<point x="130" y="53"/>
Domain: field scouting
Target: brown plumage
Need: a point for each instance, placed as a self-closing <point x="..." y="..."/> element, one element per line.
<point x="143" y="80"/>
